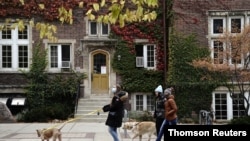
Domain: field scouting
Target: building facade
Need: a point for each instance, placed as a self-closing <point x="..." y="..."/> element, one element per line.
<point x="209" y="20"/>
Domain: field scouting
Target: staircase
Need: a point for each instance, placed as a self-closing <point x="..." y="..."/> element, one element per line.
<point x="87" y="110"/>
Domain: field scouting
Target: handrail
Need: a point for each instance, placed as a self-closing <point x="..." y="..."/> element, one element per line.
<point x="77" y="98"/>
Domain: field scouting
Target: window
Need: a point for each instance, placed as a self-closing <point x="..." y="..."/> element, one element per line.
<point x="236" y="24"/>
<point x="23" y="56"/>
<point x="139" y="103"/>
<point x="6" y="56"/>
<point x="98" y="29"/>
<point x="6" y="32"/>
<point x="144" y="102"/>
<point x="150" y="103"/>
<point x="221" y="106"/>
<point x="227" y="24"/>
<point x="14" y="49"/>
<point x="218" y="26"/>
<point x="105" y="29"/>
<point x="235" y="54"/>
<point x="218" y="53"/>
<point x="23" y="34"/>
<point x="145" y="56"/>
<point x="238" y="106"/>
<point x="60" y="56"/>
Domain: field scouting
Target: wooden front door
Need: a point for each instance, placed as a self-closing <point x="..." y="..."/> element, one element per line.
<point x="100" y="73"/>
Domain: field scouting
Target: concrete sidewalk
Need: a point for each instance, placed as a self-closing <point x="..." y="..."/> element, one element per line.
<point x="72" y="131"/>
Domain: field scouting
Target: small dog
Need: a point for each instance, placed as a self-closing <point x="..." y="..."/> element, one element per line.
<point x="46" y="134"/>
<point x="141" y="128"/>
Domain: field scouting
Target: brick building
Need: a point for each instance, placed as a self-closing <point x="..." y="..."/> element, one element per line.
<point x="209" y="19"/>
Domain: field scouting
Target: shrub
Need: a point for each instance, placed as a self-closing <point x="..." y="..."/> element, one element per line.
<point x="241" y="120"/>
<point x="45" y="113"/>
<point x="141" y="116"/>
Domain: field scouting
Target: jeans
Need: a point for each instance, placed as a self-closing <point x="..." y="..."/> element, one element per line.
<point x="164" y="123"/>
<point x="161" y="131"/>
<point x="158" y="123"/>
<point x="113" y="132"/>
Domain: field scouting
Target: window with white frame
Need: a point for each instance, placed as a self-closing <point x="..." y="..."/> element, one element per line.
<point x="236" y="54"/>
<point x="60" y="56"/>
<point x="14" y="48"/>
<point x="98" y="29"/>
<point x="218" y="52"/>
<point x="145" y="56"/>
<point x="235" y="24"/>
<point x="150" y="102"/>
<point x="238" y="105"/>
<point x="222" y="24"/>
<point x="218" y="25"/>
<point x="144" y="102"/>
<point x="220" y="106"/>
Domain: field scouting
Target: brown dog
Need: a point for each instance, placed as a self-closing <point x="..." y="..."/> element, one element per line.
<point x="46" y="134"/>
<point x="141" y="128"/>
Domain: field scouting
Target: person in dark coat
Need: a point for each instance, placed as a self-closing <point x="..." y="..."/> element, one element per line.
<point x="116" y="111"/>
<point x="170" y="112"/>
<point x="159" y="108"/>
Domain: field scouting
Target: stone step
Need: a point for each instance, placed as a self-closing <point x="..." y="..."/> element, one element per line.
<point x="88" y="108"/>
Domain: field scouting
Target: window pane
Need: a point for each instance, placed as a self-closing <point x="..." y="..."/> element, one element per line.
<point x="23" y="34"/>
<point x="220" y="106"/>
<point x="6" y="33"/>
<point x="238" y="106"/>
<point x="218" y="26"/>
<point x="139" y="50"/>
<point x="105" y="29"/>
<point x="93" y="28"/>
<point x="235" y="25"/>
<point x="235" y="54"/>
<point x="6" y="56"/>
<point x="150" y="56"/>
<point x="53" y="57"/>
<point x="99" y="60"/>
<point x="65" y="52"/>
<point x="150" y="102"/>
<point x="218" y="52"/>
<point x="23" y="56"/>
<point x="139" y="103"/>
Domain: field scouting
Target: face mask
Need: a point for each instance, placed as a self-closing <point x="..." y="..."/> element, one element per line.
<point x="113" y="90"/>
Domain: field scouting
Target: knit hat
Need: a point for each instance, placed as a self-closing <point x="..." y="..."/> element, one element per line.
<point x="167" y="91"/>
<point x="159" y="89"/>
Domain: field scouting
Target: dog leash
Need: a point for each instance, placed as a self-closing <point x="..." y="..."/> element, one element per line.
<point x="73" y="119"/>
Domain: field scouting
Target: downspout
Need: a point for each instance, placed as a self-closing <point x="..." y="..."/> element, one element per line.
<point x="167" y="7"/>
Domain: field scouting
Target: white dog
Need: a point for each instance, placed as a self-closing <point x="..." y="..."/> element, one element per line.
<point x="141" y="128"/>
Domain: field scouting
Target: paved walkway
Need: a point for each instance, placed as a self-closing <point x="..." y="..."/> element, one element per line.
<point x="72" y="131"/>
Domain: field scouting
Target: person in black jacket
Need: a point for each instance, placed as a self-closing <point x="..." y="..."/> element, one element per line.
<point x="116" y="111"/>
<point x="159" y="108"/>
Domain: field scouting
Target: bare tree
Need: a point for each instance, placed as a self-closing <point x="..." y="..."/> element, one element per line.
<point x="231" y="60"/>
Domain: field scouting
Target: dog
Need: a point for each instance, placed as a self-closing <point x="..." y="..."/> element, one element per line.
<point x="47" y="133"/>
<point x="141" y="128"/>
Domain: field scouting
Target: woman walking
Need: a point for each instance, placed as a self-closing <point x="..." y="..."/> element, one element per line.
<point x="116" y="111"/>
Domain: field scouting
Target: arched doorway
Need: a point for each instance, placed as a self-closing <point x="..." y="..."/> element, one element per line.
<point x="99" y="72"/>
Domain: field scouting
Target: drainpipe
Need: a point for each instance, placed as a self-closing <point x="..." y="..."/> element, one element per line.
<point x="165" y="45"/>
<point x="167" y="7"/>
